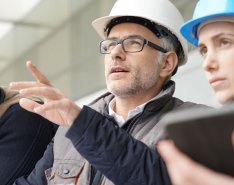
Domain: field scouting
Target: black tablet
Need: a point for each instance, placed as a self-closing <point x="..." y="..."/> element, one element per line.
<point x="206" y="136"/>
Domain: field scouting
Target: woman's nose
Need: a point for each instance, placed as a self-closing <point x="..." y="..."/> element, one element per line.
<point x="210" y="62"/>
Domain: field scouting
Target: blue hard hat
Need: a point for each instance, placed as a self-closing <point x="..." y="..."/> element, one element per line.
<point x="206" y="10"/>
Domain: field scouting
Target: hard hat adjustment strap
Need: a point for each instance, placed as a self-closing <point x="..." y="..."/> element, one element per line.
<point x="155" y="28"/>
<point x="158" y="30"/>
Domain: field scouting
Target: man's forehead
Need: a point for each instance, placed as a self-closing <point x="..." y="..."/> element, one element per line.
<point x="129" y="29"/>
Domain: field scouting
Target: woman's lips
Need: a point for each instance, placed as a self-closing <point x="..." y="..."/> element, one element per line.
<point x="214" y="82"/>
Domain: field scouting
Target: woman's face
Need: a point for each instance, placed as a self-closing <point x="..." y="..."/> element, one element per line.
<point x="216" y="45"/>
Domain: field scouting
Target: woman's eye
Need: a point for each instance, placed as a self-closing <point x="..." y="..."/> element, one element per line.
<point x="224" y="42"/>
<point x="203" y="51"/>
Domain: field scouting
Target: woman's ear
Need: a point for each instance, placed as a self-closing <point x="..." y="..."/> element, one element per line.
<point x="169" y="64"/>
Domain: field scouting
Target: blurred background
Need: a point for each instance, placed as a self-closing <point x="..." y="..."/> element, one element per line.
<point x="57" y="36"/>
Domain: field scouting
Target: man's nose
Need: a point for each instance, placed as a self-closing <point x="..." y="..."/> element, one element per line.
<point x="118" y="52"/>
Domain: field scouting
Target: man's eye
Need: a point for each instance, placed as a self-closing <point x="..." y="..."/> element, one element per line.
<point x="110" y="45"/>
<point x="135" y="42"/>
<point x="104" y="48"/>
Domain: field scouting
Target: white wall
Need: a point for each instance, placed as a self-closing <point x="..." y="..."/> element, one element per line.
<point x="192" y="84"/>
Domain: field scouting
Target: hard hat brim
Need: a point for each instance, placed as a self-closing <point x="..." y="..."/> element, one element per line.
<point x="100" y="24"/>
<point x="189" y="28"/>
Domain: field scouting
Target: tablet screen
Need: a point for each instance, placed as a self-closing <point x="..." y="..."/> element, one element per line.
<point x="206" y="136"/>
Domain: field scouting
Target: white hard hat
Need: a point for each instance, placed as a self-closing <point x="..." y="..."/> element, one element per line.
<point x="162" y="12"/>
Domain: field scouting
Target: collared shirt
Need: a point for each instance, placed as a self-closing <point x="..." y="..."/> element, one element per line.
<point x="131" y="113"/>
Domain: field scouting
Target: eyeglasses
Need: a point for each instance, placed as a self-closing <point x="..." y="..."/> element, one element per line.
<point x="130" y="45"/>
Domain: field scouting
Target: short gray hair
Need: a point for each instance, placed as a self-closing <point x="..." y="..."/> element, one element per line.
<point x="168" y="44"/>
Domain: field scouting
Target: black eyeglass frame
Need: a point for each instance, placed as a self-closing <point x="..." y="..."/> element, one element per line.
<point x="145" y="42"/>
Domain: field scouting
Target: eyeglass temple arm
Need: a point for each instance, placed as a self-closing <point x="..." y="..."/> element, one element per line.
<point x="155" y="46"/>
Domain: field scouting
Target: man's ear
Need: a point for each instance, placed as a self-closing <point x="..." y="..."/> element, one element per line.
<point x="169" y="64"/>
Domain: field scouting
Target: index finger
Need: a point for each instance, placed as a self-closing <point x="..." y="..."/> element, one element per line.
<point x="37" y="74"/>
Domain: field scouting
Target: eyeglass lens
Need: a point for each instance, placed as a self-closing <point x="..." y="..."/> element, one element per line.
<point x="132" y="44"/>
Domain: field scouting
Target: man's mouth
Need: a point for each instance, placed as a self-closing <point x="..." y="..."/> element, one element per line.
<point x="118" y="70"/>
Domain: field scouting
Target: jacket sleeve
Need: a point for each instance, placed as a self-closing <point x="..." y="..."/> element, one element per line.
<point x="24" y="137"/>
<point x="121" y="158"/>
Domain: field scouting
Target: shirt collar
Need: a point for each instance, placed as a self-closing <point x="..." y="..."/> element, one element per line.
<point x="133" y="112"/>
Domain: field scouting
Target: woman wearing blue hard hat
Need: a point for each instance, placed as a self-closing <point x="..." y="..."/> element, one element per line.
<point x="212" y="30"/>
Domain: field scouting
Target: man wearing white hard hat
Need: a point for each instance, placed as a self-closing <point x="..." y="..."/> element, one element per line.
<point x="212" y="30"/>
<point x="112" y="141"/>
